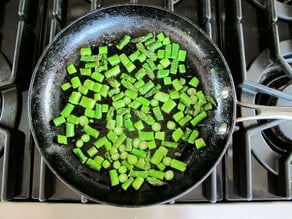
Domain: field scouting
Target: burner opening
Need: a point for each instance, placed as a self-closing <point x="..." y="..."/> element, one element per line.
<point x="288" y="2"/>
<point x="278" y="137"/>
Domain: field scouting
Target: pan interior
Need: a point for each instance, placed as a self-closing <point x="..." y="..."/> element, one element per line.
<point x="104" y="26"/>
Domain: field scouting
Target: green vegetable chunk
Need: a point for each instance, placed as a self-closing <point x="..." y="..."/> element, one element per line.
<point x="198" y="118"/>
<point x="127" y="183"/>
<point x="93" y="165"/>
<point x="169" y="175"/>
<point x="168" y="106"/>
<point x="71" y="69"/>
<point x="137" y="183"/>
<point x="114" y="177"/>
<point x="59" y="120"/>
<point x="178" y="165"/>
<point x="62" y="139"/>
<point x="66" y="111"/>
<point x="200" y="143"/>
<point x="123" y="42"/>
<point x="70" y="130"/>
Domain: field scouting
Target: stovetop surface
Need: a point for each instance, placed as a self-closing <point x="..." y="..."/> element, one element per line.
<point x="254" y="37"/>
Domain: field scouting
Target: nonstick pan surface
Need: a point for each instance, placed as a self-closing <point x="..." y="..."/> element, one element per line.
<point x="107" y="25"/>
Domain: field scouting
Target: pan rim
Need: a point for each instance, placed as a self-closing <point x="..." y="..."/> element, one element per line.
<point x="232" y="87"/>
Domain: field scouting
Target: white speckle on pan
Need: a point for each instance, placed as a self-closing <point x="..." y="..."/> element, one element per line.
<point x="54" y="149"/>
<point x="225" y="92"/>
<point x="222" y="129"/>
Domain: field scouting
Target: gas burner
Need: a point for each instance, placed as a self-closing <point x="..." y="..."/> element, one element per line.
<point x="278" y="137"/>
<point x="267" y="84"/>
<point x="283" y="7"/>
<point x="288" y="2"/>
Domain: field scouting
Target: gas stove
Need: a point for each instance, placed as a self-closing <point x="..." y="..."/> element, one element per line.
<point x="255" y="38"/>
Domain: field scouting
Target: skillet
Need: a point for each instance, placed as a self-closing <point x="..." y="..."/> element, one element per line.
<point x="107" y="25"/>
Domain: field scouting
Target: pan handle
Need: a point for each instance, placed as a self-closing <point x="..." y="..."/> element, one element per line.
<point x="266" y="112"/>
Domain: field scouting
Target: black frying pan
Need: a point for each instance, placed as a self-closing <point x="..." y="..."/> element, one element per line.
<point x="107" y="25"/>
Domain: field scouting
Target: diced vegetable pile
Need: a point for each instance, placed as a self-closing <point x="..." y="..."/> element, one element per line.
<point x="129" y="107"/>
